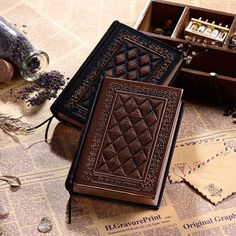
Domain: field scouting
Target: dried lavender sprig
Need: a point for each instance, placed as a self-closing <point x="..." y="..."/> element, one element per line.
<point x="45" y="88"/>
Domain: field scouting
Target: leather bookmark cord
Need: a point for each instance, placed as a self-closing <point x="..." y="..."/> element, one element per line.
<point x="11" y="180"/>
<point x="48" y="121"/>
<point x="69" y="210"/>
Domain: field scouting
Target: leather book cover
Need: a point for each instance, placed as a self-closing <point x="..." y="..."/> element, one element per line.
<point x="127" y="144"/>
<point x="122" y="52"/>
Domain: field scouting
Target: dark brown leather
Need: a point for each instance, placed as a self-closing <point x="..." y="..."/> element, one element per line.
<point x="133" y="62"/>
<point x="129" y="139"/>
<point x="128" y="142"/>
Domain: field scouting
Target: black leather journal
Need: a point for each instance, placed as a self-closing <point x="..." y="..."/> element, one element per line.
<point x="123" y="53"/>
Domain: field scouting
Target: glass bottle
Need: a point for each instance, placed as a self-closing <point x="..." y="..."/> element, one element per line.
<point x="195" y="25"/>
<point x="215" y="32"/>
<point x="209" y="29"/>
<point x="222" y="33"/>
<point x="17" y="49"/>
<point x="202" y="28"/>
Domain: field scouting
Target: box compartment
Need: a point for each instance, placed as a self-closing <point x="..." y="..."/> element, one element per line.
<point x="158" y="13"/>
<point x="225" y="20"/>
<point x="195" y="78"/>
<point x="199" y="85"/>
<point x="212" y="61"/>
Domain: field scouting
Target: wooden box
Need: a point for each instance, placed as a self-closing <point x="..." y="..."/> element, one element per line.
<point x="197" y="78"/>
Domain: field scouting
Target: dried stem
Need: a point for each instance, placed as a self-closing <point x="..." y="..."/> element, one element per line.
<point x="14" y="125"/>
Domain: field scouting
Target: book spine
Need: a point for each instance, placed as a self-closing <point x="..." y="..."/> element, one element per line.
<point x="171" y="152"/>
<point x="75" y="162"/>
<point x="58" y="105"/>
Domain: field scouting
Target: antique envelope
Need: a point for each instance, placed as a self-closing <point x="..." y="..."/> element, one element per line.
<point x="190" y="155"/>
<point x="215" y="178"/>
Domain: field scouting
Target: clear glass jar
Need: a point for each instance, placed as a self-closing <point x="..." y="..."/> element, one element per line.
<point x="17" y="49"/>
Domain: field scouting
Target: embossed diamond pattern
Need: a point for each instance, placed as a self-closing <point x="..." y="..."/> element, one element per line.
<point x="132" y="62"/>
<point x="129" y="137"/>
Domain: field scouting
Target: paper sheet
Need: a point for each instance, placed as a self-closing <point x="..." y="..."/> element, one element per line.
<point x="43" y="168"/>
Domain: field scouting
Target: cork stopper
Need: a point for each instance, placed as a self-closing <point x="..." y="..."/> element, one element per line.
<point x="6" y="71"/>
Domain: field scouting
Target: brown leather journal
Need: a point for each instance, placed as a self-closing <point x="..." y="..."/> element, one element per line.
<point x="126" y="147"/>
